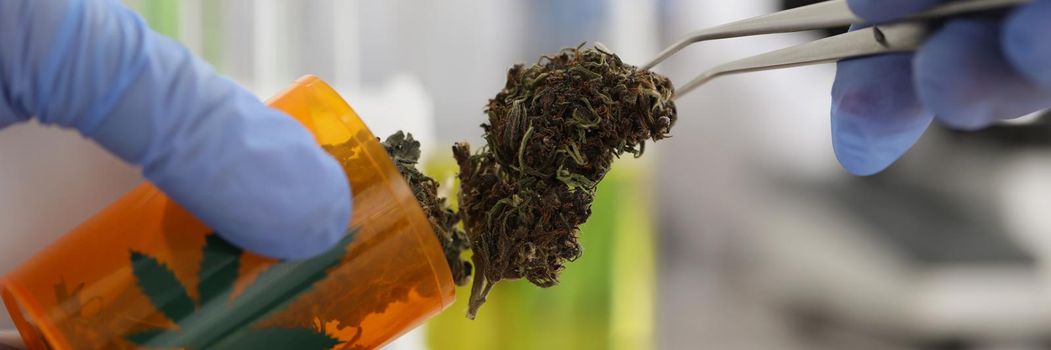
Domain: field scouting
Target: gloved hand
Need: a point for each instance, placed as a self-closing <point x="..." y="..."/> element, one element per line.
<point x="250" y="172"/>
<point x="970" y="73"/>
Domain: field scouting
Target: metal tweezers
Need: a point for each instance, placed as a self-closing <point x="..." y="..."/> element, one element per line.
<point x="899" y="36"/>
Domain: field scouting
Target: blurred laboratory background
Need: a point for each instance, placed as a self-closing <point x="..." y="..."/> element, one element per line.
<point x="741" y="232"/>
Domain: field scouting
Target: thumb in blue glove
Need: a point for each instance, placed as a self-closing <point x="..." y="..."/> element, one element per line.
<point x="250" y="172"/>
<point x="970" y="73"/>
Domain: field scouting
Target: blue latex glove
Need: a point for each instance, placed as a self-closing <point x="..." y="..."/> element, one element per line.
<point x="970" y="73"/>
<point x="250" y="172"/>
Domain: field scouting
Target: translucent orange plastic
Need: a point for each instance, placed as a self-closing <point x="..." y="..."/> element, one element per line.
<point x="83" y="292"/>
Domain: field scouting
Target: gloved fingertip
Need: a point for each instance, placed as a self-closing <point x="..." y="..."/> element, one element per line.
<point x="857" y="161"/>
<point x="1025" y="42"/>
<point x="876" y="115"/>
<point x="864" y="148"/>
<point x="886" y="10"/>
<point x="307" y="218"/>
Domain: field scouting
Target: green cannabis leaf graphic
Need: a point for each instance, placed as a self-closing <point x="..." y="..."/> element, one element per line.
<point x="216" y="321"/>
<point x="160" y="284"/>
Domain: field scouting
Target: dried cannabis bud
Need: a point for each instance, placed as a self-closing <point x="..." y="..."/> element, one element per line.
<point x="405" y="151"/>
<point x="552" y="135"/>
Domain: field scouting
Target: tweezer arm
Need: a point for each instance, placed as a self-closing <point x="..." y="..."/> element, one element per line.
<point x="902" y="37"/>
<point x="828" y="14"/>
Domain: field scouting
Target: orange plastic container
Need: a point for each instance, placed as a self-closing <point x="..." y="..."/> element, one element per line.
<point x="145" y="273"/>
